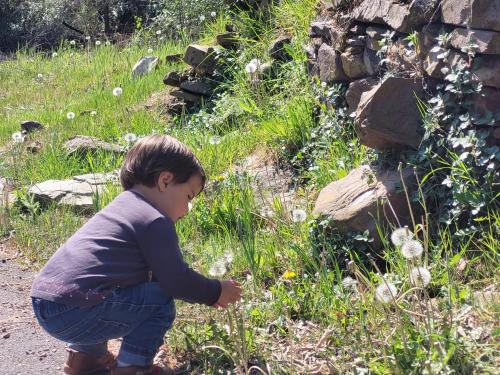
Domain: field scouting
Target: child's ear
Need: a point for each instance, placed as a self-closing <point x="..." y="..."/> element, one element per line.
<point x="164" y="179"/>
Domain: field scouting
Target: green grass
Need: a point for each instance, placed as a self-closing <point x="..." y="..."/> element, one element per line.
<point x="295" y="304"/>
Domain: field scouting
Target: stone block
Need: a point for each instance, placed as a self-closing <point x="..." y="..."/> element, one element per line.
<point x="477" y="14"/>
<point x="330" y="65"/>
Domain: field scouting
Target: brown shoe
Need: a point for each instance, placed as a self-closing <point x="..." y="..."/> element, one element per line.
<point x="136" y="370"/>
<point x="79" y="363"/>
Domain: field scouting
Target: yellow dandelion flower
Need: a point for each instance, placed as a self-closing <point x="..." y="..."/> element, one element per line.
<point x="289" y="275"/>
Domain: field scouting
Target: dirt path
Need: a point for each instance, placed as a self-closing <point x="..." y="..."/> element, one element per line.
<point x="24" y="347"/>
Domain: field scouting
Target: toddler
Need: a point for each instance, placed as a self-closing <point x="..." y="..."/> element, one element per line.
<point x="119" y="274"/>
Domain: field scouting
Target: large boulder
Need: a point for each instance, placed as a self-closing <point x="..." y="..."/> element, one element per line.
<point x="479" y="14"/>
<point x="144" y="66"/>
<point x="202" y="58"/>
<point x="356" y="89"/>
<point x="330" y="65"/>
<point x="401" y="17"/>
<point x="82" y="144"/>
<point x="387" y="115"/>
<point x="359" y="201"/>
<point x="79" y="192"/>
<point x="487" y="42"/>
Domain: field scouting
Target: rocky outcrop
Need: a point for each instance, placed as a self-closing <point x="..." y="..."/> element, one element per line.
<point x="486" y="42"/>
<point x="480" y="14"/>
<point x="82" y="144"/>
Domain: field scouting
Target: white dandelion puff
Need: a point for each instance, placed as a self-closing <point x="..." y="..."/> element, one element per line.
<point x="93" y="113"/>
<point x="158" y="32"/>
<point x="253" y="66"/>
<point x="39" y="76"/>
<point x="72" y="42"/>
<point x="108" y="43"/>
<point x="420" y="276"/>
<point x="401" y="235"/>
<point x="190" y="206"/>
<point x="213" y="14"/>
<point x="299" y="216"/>
<point x="87" y="37"/>
<point x="349" y="282"/>
<point x="218" y="269"/>
<point x="70" y="115"/>
<point x="54" y="54"/>
<point x="214" y="140"/>
<point x="150" y="50"/>
<point x="117" y="91"/>
<point x="386" y="292"/>
<point x="228" y="257"/>
<point x="130" y="137"/>
<point x="18" y="137"/>
<point x="202" y="18"/>
<point x="411" y="249"/>
<point x="97" y="42"/>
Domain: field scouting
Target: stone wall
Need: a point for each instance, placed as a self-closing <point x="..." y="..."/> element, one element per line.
<point x="389" y="52"/>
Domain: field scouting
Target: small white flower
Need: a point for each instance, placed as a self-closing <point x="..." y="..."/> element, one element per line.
<point x="150" y="50"/>
<point x="18" y="137"/>
<point x="117" y="91"/>
<point x="401" y="235"/>
<point x="108" y="43"/>
<point x="202" y="18"/>
<point x="97" y="42"/>
<point x="420" y="276"/>
<point x="130" y="137"/>
<point x="349" y="282"/>
<point x="54" y="54"/>
<point x="386" y="292"/>
<point x="158" y="32"/>
<point x="299" y="216"/>
<point x="39" y="76"/>
<point x="214" y="140"/>
<point x="70" y="115"/>
<point x="87" y="37"/>
<point x="323" y="84"/>
<point x="190" y="206"/>
<point x="72" y="42"/>
<point x="213" y="14"/>
<point x="218" y="269"/>
<point x="411" y="249"/>
<point x="93" y="113"/>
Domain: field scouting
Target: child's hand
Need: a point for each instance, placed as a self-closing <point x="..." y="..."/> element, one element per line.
<point x="230" y="293"/>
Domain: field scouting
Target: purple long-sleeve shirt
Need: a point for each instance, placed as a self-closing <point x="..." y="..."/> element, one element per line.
<point x="118" y="247"/>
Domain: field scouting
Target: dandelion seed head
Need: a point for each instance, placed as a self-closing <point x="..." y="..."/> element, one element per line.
<point x="214" y="140"/>
<point x="218" y="269"/>
<point x="299" y="215"/>
<point x="202" y="18"/>
<point x="54" y="54"/>
<point x="401" y="235"/>
<point x="213" y="14"/>
<point x="108" y="43"/>
<point x="117" y="91"/>
<point x="150" y="50"/>
<point x="70" y="115"/>
<point x="349" y="282"/>
<point x="97" y="42"/>
<point x="411" y="249"/>
<point x="72" y="42"/>
<point x="228" y="257"/>
<point x="420" y="276"/>
<point x="252" y="66"/>
<point x="18" y="137"/>
<point x="87" y="37"/>
<point x="130" y="137"/>
<point x="386" y="292"/>
<point x="158" y="32"/>
<point x="39" y="76"/>
<point x="93" y="113"/>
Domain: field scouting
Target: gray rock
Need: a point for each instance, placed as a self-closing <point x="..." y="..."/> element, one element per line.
<point x="78" y="192"/>
<point x="228" y="40"/>
<point x="356" y="89"/>
<point x="197" y="86"/>
<point x="278" y="50"/>
<point x="434" y="66"/>
<point x="144" y="66"/>
<point x="330" y="65"/>
<point x="320" y="29"/>
<point x="478" y="14"/>
<point x="428" y="35"/>
<point x="401" y="17"/>
<point x="202" y="58"/>
<point x="187" y="96"/>
<point x="30" y="126"/>
<point x="353" y="64"/>
<point x="82" y="144"/>
<point x="174" y="58"/>
<point x="355" y="202"/>
<point x="371" y="61"/>
<point x="487" y="70"/>
<point x="174" y="78"/>
<point x="487" y="42"/>
<point x="487" y="104"/>
<point x="387" y="115"/>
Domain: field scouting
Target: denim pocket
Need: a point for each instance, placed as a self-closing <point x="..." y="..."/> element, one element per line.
<point x="47" y="310"/>
<point x="99" y="331"/>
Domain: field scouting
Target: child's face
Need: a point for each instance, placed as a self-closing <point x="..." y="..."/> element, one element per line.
<point x="174" y="197"/>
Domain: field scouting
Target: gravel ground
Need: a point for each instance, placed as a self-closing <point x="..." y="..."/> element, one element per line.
<point x="24" y="347"/>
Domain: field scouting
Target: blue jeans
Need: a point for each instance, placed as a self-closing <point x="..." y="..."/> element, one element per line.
<point x="141" y="314"/>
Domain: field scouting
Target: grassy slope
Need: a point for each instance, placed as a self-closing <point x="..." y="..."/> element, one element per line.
<point x="295" y="320"/>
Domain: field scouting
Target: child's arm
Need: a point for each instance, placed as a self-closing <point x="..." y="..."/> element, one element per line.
<point x="230" y="293"/>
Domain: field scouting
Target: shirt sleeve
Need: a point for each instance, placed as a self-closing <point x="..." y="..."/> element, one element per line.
<point x="160" y="246"/>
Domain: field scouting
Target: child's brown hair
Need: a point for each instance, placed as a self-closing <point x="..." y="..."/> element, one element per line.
<point x="155" y="154"/>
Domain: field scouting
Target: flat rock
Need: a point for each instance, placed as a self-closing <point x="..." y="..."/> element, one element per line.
<point x="477" y="14"/>
<point x="202" y="58"/>
<point x="78" y="192"/>
<point x="174" y="78"/>
<point x="85" y="144"/>
<point x="356" y="201"/>
<point x="387" y="115"/>
<point x="187" y="96"/>
<point x="197" y="86"/>
<point x="30" y="126"/>
<point x="353" y="63"/>
<point x="487" y="42"/>
<point x="144" y="66"/>
<point x="330" y="65"/>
